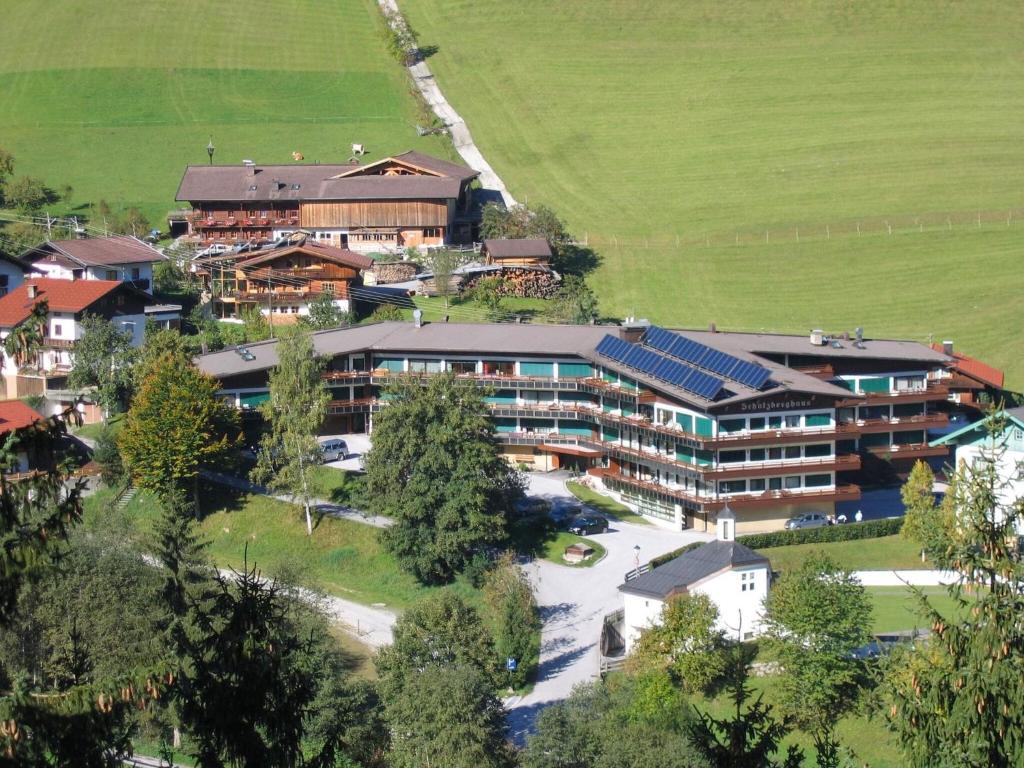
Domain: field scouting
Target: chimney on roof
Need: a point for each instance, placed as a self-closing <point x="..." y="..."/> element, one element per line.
<point x="712" y="327"/>
<point x="30" y="289"/>
<point x="818" y="337"/>
<point x="632" y="329"/>
<point x="250" y="167"/>
<point x="947" y="347"/>
<point x="417" y="318"/>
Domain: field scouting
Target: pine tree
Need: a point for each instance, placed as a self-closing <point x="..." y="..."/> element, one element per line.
<point x="958" y="698"/>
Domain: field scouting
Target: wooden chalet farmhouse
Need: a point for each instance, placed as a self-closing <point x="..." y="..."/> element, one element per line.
<point x="119" y="257"/>
<point x="531" y="252"/>
<point x="68" y="302"/>
<point x="409" y="200"/>
<point x="281" y="282"/>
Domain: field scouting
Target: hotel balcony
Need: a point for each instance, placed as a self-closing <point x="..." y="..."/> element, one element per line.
<point x="934" y="391"/>
<point x="900" y="424"/>
<point x="737" y="502"/>
<point x="785" y="436"/>
<point x="908" y="451"/>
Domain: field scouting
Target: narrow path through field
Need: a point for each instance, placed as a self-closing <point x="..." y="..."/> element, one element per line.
<point x="425" y="83"/>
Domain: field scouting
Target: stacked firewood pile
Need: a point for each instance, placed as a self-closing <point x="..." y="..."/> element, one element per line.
<point x="395" y="271"/>
<point x="521" y="283"/>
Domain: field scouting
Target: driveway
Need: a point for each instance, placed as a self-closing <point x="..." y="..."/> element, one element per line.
<point x="574" y="601"/>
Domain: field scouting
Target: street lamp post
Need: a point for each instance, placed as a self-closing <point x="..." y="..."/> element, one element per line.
<point x="210" y="149"/>
<point x="636" y="557"/>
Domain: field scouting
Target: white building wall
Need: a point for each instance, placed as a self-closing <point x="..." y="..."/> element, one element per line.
<point x="1010" y="467"/>
<point x="740" y="612"/>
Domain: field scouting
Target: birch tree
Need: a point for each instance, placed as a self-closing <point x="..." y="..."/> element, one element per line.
<point x="295" y="412"/>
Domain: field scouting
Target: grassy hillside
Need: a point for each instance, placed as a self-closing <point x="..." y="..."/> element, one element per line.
<point x="116" y="98"/>
<point x="742" y="162"/>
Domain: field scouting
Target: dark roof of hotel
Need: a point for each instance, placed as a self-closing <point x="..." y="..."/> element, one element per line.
<point x="537" y="339"/>
<point x="517" y="248"/>
<point x="231" y="183"/>
<point x="94" y="251"/>
<point x="791" y="344"/>
<point x="692" y="567"/>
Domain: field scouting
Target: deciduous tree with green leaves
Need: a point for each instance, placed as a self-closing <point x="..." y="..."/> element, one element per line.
<point x="289" y="453"/>
<point x="436" y="471"/>
<point x="103" y="358"/>
<point x="957" y="697"/>
<point x="176" y="427"/>
<point x="686" y="644"/>
<point x="926" y="522"/>
<point x="575" y="302"/>
<point x="324" y="313"/>
<point x="815" y="617"/>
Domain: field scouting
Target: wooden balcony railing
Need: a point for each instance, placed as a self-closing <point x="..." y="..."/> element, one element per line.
<point x="934" y="391"/>
<point x="908" y="451"/>
<point x="901" y="423"/>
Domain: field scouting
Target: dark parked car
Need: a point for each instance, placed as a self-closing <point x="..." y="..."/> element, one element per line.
<point x="584" y="525"/>
<point x="810" y="520"/>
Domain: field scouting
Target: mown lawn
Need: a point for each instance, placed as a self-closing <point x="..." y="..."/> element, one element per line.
<point x="895" y="609"/>
<point x="742" y="163"/>
<point x="342" y="557"/>
<point x="554" y="547"/>
<point x="123" y="95"/>
<point x="606" y="505"/>
<point x="885" y="553"/>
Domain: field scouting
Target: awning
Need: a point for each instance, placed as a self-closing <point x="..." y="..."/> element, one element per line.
<point x="572" y="450"/>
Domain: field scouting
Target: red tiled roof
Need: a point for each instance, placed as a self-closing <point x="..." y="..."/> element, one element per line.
<point x="62" y="295"/>
<point x="975" y="369"/>
<point x="14" y="414"/>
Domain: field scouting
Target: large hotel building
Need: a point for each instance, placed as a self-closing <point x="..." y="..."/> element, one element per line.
<point x="675" y="423"/>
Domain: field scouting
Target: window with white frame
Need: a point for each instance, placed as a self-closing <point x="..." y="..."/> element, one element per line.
<point x="748" y="581"/>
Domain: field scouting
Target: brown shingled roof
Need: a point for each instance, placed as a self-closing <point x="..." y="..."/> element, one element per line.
<point x="233" y="183"/>
<point x="96" y="251"/>
<point x="518" y="248"/>
<point x="341" y="256"/>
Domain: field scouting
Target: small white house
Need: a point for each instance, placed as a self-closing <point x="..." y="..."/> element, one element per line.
<point x="974" y="444"/>
<point x="735" y="577"/>
<point x="118" y="257"/>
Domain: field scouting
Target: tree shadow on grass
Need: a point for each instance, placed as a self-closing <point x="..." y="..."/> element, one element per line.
<point x="215" y="497"/>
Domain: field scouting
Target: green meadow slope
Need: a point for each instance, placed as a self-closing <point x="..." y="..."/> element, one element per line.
<point x="116" y="98"/>
<point x="743" y="162"/>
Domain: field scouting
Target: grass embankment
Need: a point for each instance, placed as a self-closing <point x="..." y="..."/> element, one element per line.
<point x="342" y="557"/>
<point x="93" y="431"/>
<point x="885" y="553"/>
<point x="895" y="609"/>
<point x="725" y="159"/>
<point x="606" y="505"/>
<point x="122" y="96"/>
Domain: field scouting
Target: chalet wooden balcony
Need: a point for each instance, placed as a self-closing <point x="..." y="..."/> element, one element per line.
<point x="359" y="405"/>
<point x="902" y="424"/>
<point x="909" y="451"/>
<point x="51" y="343"/>
<point x="934" y="391"/>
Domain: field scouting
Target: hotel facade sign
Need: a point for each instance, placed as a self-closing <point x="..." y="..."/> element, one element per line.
<point x="791" y="402"/>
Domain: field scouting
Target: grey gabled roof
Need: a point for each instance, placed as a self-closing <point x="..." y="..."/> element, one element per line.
<point x="691" y="567"/>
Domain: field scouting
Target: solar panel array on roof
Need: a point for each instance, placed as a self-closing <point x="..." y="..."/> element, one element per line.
<point x="749" y="374"/>
<point x="660" y="367"/>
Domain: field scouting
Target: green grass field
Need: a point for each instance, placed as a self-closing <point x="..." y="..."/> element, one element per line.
<point x="676" y="135"/>
<point x="605" y="505"/>
<point x="116" y="98"/>
<point x="885" y="553"/>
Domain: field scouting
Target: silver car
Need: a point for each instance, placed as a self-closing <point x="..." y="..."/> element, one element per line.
<point x="334" y="449"/>
<point x="810" y="520"/>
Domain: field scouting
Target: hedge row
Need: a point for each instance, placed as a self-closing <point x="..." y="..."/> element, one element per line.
<point x="872" y="529"/>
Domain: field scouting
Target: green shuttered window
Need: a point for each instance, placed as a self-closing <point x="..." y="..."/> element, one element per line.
<point x="253" y="399"/>
<point x="817" y="420"/>
<point x="703" y="427"/>
<point x="875" y="385"/>
<point x="685" y="420"/>
<point x="575" y="371"/>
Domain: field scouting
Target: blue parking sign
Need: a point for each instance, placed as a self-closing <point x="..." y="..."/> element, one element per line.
<point x="510" y="664"/>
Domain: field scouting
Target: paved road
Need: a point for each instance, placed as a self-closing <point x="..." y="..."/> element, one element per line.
<point x="574" y="601"/>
